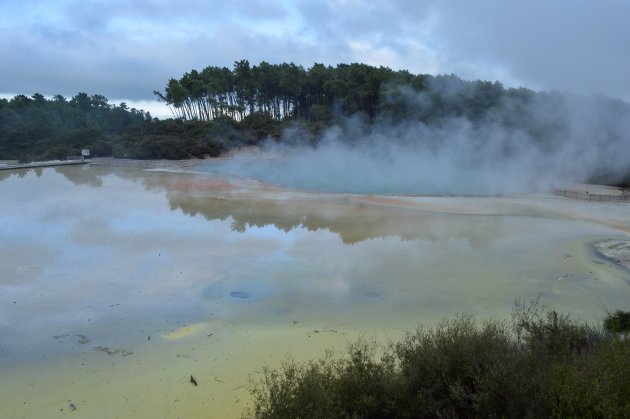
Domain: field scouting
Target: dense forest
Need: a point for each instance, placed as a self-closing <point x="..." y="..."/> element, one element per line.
<point x="279" y="90"/>
<point x="218" y="108"/>
<point x="287" y="91"/>
<point x="36" y="128"/>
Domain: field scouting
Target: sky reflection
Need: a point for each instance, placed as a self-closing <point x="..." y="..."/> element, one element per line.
<point x="114" y="253"/>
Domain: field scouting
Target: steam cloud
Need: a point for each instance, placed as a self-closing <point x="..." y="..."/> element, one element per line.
<point x="584" y="139"/>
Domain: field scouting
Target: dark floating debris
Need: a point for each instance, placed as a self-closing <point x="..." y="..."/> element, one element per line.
<point x="57" y="337"/>
<point x="82" y="339"/>
<point x="72" y="407"/>
<point x="112" y="352"/>
<point x="193" y="381"/>
<point x="241" y="295"/>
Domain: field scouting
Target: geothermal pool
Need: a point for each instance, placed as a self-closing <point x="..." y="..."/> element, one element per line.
<point x="117" y="285"/>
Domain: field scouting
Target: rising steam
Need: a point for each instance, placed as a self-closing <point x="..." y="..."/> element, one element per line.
<point x="558" y="139"/>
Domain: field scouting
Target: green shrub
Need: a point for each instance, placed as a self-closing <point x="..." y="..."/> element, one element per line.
<point x="618" y="322"/>
<point x="597" y="385"/>
<point x="358" y="385"/>
<point x="297" y="390"/>
<point x="460" y="368"/>
<point x="541" y="364"/>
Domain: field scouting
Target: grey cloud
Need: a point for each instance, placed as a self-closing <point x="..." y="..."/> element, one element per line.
<point x="96" y="13"/>
<point x="120" y="68"/>
<point x="372" y="21"/>
<point x="86" y="45"/>
<point x="61" y="67"/>
<point x="577" y="46"/>
<point x="90" y="49"/>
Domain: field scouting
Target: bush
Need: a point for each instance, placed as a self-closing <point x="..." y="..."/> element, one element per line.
<point x="540" y="364"/>
<point x="461" y="368"/>
<point x="356" y="386"/>
<point x="594" y="386"/>
<point x="618" y="322"/>
<point x="262" y="125"/>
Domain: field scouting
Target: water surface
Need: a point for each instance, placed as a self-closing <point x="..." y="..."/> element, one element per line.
<point x="117" y="285"/>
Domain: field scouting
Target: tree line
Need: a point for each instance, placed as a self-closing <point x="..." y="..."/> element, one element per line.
<point x="280" y="90"/>
<point x="37" y="128"/>
<point x="218" y="108"/>
<point x="289" y="92"/>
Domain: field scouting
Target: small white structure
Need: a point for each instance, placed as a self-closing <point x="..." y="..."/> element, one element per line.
<point x="85" y="153"/>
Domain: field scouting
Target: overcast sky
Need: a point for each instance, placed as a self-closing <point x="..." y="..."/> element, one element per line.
<point x="125" y="49"/>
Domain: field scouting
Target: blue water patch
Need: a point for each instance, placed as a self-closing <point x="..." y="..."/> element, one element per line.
<point x="241" y="295"/>
<point x="231" y="289"/>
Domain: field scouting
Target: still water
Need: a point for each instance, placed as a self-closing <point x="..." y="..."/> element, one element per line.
<point x="117" y="285"/>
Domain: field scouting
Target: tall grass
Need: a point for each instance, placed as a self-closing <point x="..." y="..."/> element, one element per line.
<point x="538" y="364"/>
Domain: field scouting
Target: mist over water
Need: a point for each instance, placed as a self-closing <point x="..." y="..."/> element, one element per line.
<point x="518" y="146"/>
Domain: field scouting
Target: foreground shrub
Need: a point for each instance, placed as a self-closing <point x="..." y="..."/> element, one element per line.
<point x="541" y="364"/>
<point x="356" y="386"/>
<point x="597" y="385"/>
<point x="460" y="368"/>
<point x="618" y="322"/>
<point x="550" y="334"/>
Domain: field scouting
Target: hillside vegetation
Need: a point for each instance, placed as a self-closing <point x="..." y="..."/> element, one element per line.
<point x="218" y="108"/>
